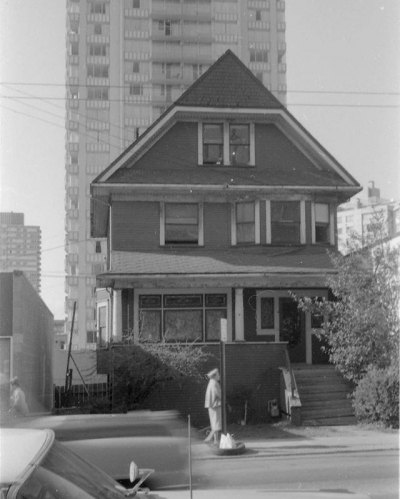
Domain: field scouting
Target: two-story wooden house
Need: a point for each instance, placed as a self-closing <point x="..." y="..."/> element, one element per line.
<point x="219" y="210"/>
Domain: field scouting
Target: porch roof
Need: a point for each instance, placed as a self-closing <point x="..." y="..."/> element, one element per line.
<point x="241" y="266"/>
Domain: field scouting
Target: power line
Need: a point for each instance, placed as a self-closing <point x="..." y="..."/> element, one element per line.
<point x="323" y="92"/>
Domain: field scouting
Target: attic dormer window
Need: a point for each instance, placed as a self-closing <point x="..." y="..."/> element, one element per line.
<point x="226" y="144"/>
<point x="213" y="144"/>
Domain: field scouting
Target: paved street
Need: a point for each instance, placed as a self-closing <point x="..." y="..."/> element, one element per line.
<point x="374" y="473"/>
<point x="351" y="458"/>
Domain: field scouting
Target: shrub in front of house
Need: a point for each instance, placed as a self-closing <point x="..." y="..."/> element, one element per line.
<point x="376" y="397"/>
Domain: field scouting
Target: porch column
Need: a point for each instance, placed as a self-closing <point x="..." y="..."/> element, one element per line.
<point x="239" y="315"/>
<point x="117" y="316"/>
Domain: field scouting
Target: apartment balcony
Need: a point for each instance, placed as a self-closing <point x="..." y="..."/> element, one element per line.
<point x="73" y="37"/>
<point x="72" y="280"/>
<point x="95" y="258"/>
<point x="282" y="68"/>
<point x="102" y="60"/>
<point x="281" y="48"/>
<point x="259" y="25"/>
<point x="73" y="60"/>
<point x="72" y="236"/>
<point x="72" y="125"/>
<point x="97" y="82"/>
<point x="73" y="214"/>
<point x="281" y="26"/>
<point x="72" y="258"/>
<point x="73" y="103"/>
<point x="136" y="78"/>
<point x="73" y="81"/>
<point x="136" y="56"/>
<point x="102" y="39"/>
<point x="185" y="36"/>
<point x="97" y="104"/>
<point x="134" y="99"/>
<point x="136" y="13"/>
<point x="72" y="169"/>
<point x="260" y="66"/>
<point x="186" y="13"/>
<point x="137" y="35"/>
<point x="280" y="5"/>
<point x="258" y="4"/>
<point x="98" y="18"/>
<point x="73" y="191"/>
<point x="165" y="79"/>
<point x="73" y="17"/>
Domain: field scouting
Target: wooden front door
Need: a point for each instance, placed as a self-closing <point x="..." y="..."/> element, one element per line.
<point x="292" y="329"/>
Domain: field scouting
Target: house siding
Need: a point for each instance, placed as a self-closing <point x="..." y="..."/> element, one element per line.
<point x="135" y="226"/>
<point x="175" y="150"/>
<point x="217" y="223"/>
<point x="276" y="152"/>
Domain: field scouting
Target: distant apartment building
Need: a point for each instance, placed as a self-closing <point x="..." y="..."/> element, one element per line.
<point x="356" y="215"/>
<point x="20" y="247"/>
<point x="60" y="335"/>
<point x="127" y="61"/>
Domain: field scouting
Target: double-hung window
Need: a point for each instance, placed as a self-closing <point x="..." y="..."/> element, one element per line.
<point x="245" y="223"/>
<point x="181" y="223"/>
<point x="226" y="144"/>
<point x="285" y="222"/>
<point x="322" y="222"/>
<point x="213" y="144"/>
<point x="239" y="144"/>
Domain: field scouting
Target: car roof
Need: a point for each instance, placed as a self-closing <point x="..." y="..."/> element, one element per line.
<point x="20" y="450"/>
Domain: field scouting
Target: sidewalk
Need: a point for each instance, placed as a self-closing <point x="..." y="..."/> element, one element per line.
<point x="284" y="440"/>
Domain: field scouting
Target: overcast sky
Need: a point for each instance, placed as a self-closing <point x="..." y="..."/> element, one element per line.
<point x="343" y="77"/>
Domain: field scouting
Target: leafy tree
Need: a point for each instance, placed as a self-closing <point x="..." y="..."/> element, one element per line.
<point x="361" y="319"/>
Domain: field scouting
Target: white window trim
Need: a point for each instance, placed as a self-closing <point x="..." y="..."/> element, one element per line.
<point x="200" y="223"/>
<point x="268" y="222"/>
<point x="257" y="225"/>
<point x="226" y="161"/>
<point x="331" y="228"/>
<point x="101" y="304"/>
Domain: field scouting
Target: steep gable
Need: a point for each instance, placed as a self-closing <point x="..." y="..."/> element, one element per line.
<point x="229" y="83"/>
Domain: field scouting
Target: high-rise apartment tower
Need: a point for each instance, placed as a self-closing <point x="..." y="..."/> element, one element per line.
<point x="127" y="61"/>
<point x="20" y="247"/>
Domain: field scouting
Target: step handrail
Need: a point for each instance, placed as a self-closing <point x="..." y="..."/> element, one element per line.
<point x="293" y="384"/>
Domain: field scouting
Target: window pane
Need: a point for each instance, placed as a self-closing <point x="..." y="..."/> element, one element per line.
<point x="285" y="211"/>
<point x="212" y="134"/>
<point x="239" y="155"/>
<point x="322" y="212"/>
<point x="183" y="301"/>
<point x="183" y="325"/>
<point x="212" y="154"/>
<point x="181" y="223"/>
<point x="177" y="213"/>
<point x="322" y="234"/>
<point x="267" y="313"/>
<point x="245" y="233"/>
<point x="285" y="233"/>
<point x="239" y="134"/>
<point x="213" y="324"/>
<point x="150" y="301"/>
<point x="215" y="300"/>
<point x="245" y="212"/>
<point x="150" y="325"/>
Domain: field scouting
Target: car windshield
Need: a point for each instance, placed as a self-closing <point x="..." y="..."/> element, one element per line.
<point x="64" y="475"/>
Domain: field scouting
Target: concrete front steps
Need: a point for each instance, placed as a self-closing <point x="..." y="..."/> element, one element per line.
<point x="324" y="396"/>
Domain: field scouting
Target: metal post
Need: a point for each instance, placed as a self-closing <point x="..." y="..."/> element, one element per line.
<point x="190" y="458"/>
<point x="223" y="384"/>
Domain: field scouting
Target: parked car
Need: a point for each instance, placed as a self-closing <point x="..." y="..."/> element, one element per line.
<point x="156" y="440"/>
<point x="35" y="466"/>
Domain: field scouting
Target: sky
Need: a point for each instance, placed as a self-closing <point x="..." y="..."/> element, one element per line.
<point x="343" y="81"/>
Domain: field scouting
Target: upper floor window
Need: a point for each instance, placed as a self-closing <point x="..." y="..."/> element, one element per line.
<point x="322" y="223"/>
<point x="98" y="49"/>
<point x="245" y="223"/>
<point x="213" y="144"/>
<point x="181" y="223"/>
<point x="97" y="93"/>
<point x="285" y="222"/>
<point x="239" y="144"/>
<point x="97" y="7"/>
<point x="226" y="144"/>
<point x="136" y="4"/>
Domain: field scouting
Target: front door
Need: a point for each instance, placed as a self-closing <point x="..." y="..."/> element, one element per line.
<point x="292" y="329"/>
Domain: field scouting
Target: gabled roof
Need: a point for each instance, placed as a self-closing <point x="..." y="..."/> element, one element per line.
<point x="228" y="87"/>
<point x="241" y="90"/>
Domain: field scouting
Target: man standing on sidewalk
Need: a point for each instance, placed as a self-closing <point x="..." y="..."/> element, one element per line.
<point x="213" y="404"/>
